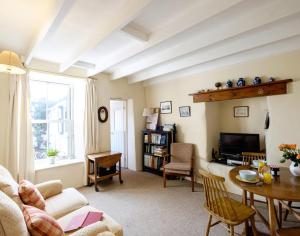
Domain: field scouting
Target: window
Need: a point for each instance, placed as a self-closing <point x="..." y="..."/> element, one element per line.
<point x="52" y="118"/>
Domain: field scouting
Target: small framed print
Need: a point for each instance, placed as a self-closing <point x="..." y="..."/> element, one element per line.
<point x="166" y="107"/>
<point x="241" y="111"/>
<point x="185" y="111"/>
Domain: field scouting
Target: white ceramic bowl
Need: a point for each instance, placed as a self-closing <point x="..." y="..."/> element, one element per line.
<point x="248" y="174"/>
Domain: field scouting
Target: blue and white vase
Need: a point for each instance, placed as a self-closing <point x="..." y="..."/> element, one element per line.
<point x="229" y="84"/>
<point x="257" y="80"/>
<point x="241" y="82"/>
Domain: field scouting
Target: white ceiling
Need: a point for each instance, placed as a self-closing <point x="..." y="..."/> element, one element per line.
<point x="148" y="40"/>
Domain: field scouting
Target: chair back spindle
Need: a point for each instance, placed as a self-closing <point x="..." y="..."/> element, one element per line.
<point x="248" y="157"/>
<point x="217" y="197"/>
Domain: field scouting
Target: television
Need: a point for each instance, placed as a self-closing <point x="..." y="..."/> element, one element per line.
<point x="236" y="143"/>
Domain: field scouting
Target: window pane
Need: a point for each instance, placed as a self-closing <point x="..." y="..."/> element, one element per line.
<point x="59" y="138"/>
<point x="39" y="133"/>
<point x="58" y="101"/>
<point x="38" y="95"/>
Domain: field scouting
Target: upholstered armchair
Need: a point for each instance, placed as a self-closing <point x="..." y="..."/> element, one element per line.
<point x="181" y="162"/>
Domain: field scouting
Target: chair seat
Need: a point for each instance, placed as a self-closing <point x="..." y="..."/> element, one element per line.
<point x="178" y="166"/>
<point x="289" y="232"/>
<point x="240" y="214"/>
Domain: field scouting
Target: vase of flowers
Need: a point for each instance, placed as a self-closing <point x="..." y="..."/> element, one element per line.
<point x="290" y="152"/>
<point x="52" y="153"/>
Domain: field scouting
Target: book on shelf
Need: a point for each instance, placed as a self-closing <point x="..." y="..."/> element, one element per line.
<point x="160" y="151"/>
<point x="146" y="139"/>
<point x="152" y="161"/>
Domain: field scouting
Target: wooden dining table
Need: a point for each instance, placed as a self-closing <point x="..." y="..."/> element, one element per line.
<point x="285" y="187"/>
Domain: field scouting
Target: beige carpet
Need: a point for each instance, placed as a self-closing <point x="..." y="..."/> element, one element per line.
<point x="144" y="208"/>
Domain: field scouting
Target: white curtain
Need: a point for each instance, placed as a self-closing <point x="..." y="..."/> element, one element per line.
<point x="19" y="156"/>
<point x="91" y="126"/>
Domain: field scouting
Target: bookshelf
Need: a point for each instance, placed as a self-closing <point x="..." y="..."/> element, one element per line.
<point x="156" y="144"/>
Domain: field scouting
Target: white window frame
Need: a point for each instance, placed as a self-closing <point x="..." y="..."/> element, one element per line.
<point x="70" y="121"/>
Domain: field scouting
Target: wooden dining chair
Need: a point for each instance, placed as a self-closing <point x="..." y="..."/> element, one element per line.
<point x="289" y="209"/>
<point x="289" y="232"/>
<point x="226" y="210"/>
<point x="248" y="157"/>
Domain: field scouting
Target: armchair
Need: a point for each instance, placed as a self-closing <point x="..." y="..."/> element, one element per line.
<point x="181" y="162"/>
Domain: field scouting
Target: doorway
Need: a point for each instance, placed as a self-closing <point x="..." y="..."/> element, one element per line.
<point x="118" y="129"/>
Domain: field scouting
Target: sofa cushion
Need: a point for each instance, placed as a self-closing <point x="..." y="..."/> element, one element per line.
<point x="110" y="223"/>
<point x="50" y="188"/>
<point x="11" y="217"/>
<point x="39" y="223"/>
<point x="90" y="230"/>
<point x="30" y="195"/>
<point x="9" y="186"/>
<point x="61" y="204"/>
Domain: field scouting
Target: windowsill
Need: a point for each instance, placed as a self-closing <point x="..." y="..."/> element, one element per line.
<point x="46" y="165"/>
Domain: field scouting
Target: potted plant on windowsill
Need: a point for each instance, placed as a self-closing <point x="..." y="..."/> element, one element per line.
<point x="52" y="154"/>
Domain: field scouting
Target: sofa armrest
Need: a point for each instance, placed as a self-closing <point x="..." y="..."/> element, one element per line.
<point x="92" y="230"/>
<point x="50" y="188"/>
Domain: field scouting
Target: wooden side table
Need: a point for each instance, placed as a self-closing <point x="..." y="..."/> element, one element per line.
<point x="105" y="160"/>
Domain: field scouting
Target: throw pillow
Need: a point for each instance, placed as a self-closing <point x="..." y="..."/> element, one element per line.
<point x="9" y="186"/>
<point x="39" y="223"/>
<point x="30" y="195"/>
<point x="11" y="217"/>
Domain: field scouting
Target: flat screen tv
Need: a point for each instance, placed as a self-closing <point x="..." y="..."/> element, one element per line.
<point x="236" y="143"/>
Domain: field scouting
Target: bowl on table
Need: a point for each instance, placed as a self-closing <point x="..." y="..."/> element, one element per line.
<point x="248" y="174"/>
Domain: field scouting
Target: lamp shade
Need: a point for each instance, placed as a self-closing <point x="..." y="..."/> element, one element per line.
<point x="10" y="63"/>
<point x="147" y="111"/>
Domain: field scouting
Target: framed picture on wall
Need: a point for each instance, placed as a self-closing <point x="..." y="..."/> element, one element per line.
<point x="185" y="111"/>
<point x="166" y="107"/>
<point x="241" y="111"/>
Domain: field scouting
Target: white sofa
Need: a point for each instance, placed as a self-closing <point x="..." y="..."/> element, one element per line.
<point x="62" y="204"/>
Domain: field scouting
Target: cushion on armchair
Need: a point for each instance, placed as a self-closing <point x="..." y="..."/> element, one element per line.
<point x="50" y="188"/>
<point x="11" y="217"/>
<point x="67" y="201"/>
<point x="39" y="223"/>
<point x="30" y="195"/>
<point x="110" y="223"/>
<point x="9" y="186"/>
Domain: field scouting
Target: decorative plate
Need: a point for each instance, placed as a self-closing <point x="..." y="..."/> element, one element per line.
<point x="238" y="177"/>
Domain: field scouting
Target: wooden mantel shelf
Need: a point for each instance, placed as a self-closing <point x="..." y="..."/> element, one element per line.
<point x="249" y="91"/>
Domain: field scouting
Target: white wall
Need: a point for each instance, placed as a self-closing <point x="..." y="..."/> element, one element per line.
<point x="252" y="124"/>
<point x="201" y="127"/>
<point x="284" y="120"/>
<point x="71" y="175"/>
<point x="120" y="89"/>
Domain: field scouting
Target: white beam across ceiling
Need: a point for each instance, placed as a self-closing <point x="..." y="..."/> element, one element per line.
<point x="180" y="24"/>
<point x="226" y="25"/>
<point x="53" y="22"/>
<point x="267" y="35"/>
<point x="122" y="18"/>
<point x="283" y="46"/>
<point x="135" y="32"/>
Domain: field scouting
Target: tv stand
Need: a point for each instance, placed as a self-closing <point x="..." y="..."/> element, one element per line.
<point x="232" y="159"/>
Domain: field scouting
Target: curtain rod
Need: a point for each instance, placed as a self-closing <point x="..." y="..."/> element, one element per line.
<point x="61" y="74"/>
